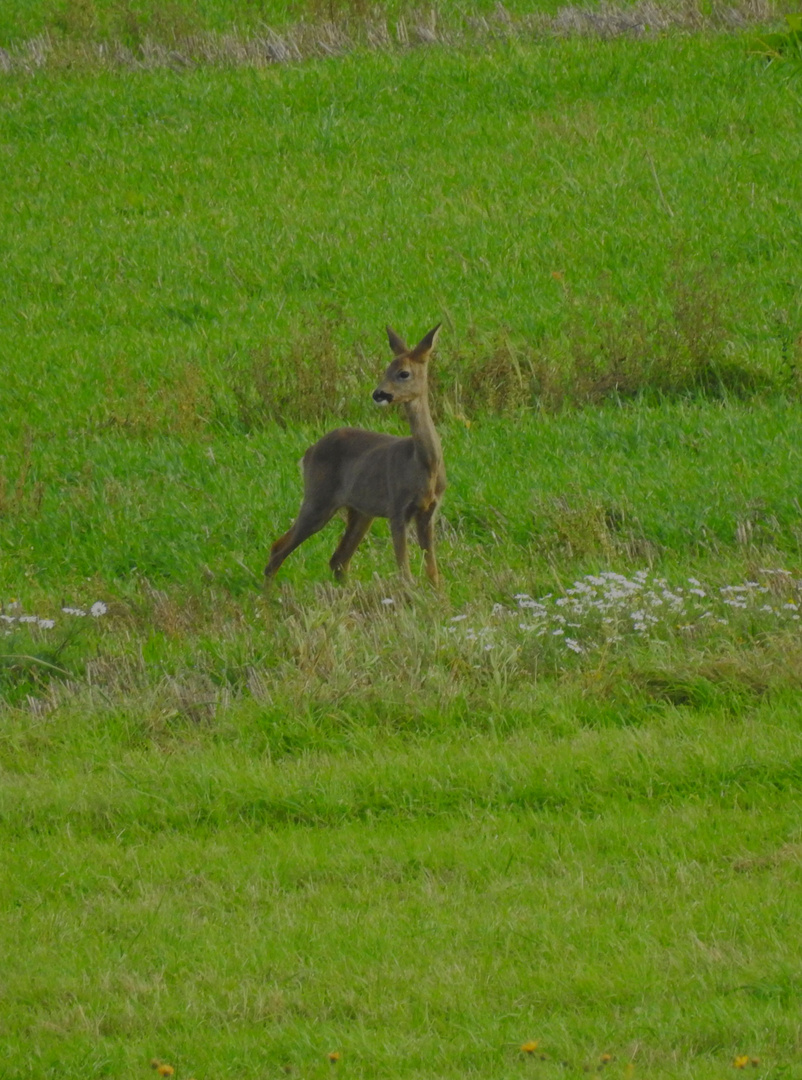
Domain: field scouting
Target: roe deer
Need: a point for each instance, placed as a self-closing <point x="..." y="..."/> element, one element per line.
<point x="369" y="474"/>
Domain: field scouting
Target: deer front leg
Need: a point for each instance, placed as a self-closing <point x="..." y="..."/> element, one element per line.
<point x="424" y="524"/>
<point x="398" y="527"/>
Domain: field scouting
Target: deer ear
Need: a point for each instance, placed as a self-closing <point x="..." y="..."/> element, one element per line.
<point x="425" y="345"/>
<point x="397" y="344"/>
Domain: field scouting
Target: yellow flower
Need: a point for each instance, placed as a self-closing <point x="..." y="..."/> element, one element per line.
<point x="606" y="1059"/>
<point x="165" y="1070"/>
<point x="334" y="1057"/>
<point x="741" y="1061"/>
<point x="530" y="1047"/>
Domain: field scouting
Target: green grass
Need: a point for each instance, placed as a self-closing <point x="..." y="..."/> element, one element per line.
<point x="419" y="905"/>
<point x="677" y="484"/>
<point x="242" y="830"/>
<point x="163" y="238"/>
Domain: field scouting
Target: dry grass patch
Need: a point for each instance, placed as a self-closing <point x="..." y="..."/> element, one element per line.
<point x="168" y="37"/>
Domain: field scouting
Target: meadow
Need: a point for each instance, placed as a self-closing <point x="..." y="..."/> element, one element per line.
<point x="545" y="821"/>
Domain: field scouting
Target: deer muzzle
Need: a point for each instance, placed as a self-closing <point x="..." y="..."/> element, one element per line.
<point x="381" y="397"/>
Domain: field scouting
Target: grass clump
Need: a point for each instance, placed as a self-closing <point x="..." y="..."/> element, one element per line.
<point x="781" y="46"/>
<point x="308" y="382"/>
<point x="608" y="354"/>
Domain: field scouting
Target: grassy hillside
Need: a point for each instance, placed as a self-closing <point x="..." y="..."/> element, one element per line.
<point x="558" y="803"/>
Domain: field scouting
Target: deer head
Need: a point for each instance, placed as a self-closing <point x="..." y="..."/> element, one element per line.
<point x="406" y="379"/>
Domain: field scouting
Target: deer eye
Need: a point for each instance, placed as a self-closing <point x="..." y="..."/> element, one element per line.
<point x="404" y="374"/>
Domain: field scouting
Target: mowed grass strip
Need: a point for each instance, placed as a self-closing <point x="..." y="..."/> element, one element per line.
<point x="599" y="890"/>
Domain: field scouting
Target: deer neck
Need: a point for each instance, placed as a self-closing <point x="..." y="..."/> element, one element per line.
<point x="424" y="434"/>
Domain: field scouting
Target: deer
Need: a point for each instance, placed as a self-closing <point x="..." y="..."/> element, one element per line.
<point x="370" y="474"/>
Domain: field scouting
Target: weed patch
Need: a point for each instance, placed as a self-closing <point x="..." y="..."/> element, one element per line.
<point x="604" y="353"/>
<point x="309" y="382"/>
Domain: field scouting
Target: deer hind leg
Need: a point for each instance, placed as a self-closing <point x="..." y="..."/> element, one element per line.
<point x="357" y="525"/>
<point x="310" y="520"/>
<point x="424" y="525"/>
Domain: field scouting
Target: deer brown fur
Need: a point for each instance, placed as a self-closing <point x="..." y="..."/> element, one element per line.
<point x="369" y="474"/>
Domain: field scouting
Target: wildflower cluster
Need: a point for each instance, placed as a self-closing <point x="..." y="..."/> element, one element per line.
<point x="608" y="608"/>
<point x="11" y="616"/>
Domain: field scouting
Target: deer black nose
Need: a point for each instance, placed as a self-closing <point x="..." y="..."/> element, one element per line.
<point x="381" y="395"/>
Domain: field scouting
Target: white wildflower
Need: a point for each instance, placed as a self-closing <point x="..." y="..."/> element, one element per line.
<point x="581" y="587"/>
<point x="98" y="609"/>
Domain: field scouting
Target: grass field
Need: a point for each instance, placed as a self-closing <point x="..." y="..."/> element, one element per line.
<point x="558" y="802"/>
